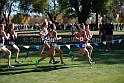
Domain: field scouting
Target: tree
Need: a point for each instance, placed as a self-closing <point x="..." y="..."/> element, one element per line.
<point x="20" y="18"/>
<point x="6" y="7"/>
<point x="83" y="8"/>
<point x="80" y="8"/>
<point x="7" y="11"/>
<point x="2" y="3"/>
<point x="41" y="6"/>
<point x="72" y="8"/>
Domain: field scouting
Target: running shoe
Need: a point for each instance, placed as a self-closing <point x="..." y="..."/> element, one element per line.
<point x="70" y="53"/>
<point x="50" y="62"/>
<point x="26" y="55"/>
<point x="91" y="63"/>
<point x="16" y="61"/>
<point x="10" y="66"/>
<point x="63" y="64"/>
<point x="56" y="62"/>
<point x="37" y="63"/>
<point x="72" y="58"/>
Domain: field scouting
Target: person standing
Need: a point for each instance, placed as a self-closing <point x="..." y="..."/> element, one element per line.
<point x="73" y="28"/>
<point x="109" y="35"/>
<point x="102" y="36"/>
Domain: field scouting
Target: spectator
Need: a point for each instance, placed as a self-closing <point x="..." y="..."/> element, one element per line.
<point x="73" y="27"/>
<point x="109" y="34"/>
<point x="102" y="36"/>
<point x="117" y="26"/>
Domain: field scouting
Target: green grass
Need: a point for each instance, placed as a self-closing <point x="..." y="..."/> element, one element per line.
<point x="109" y="68"/>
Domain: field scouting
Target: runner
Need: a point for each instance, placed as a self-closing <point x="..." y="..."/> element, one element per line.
<point x="11" y="41"/>
<point x="53" y="42"/>
<point x="89" y="36"/>
<point x="81" y="35"/>
<point x="44" y="43"/>
<point x="2" y="47"/>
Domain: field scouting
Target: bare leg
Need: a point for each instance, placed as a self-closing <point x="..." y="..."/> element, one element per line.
<point x="87" y="55"/>
<point x="40" y="51"/>
<point x="6" y="51"/>
<point x="79" y="53"/>
<point x="61" y="53"/>
<point x="16" y="49"/>
<point x="42" y="58"/>
<point x="50" y="53"/>
<point x="90" y="49"/>
<point x="3" y="54"/>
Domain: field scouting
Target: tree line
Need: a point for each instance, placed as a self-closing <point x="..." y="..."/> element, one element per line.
<point x="81" y="9"/>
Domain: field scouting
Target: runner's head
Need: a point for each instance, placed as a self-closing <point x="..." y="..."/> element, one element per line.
<point x="45" y="24"/>
<point x="52" y="27"/>
<point x="11" y="26"/>
<point x="82" y="26"/>
<point x="86" y="26"/>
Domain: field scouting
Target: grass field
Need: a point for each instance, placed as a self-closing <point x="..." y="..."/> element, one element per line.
<point x="108" y="68"/>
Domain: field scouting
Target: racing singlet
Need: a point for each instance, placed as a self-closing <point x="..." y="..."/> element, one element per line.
<point x="44" y="33"/>
<point x="82" y="38"/>
<point x="52" y="40"/>
<point x="88" y="33"/>
<point x="11" y="39"/>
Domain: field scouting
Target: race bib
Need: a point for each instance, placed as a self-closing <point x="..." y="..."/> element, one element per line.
<point x="52" y="39"/>
<point x="81" y="38"/>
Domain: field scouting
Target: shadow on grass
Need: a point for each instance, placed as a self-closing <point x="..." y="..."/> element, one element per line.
<point x="4" y="67"/>
<point x="18" y="70"/>
<point x="117" y="57"/>
<point x="7" y="71"/>
<point x="105" y="58"/>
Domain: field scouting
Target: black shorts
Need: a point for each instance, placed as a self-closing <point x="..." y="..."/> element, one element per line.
<point x="53" y="44"/>
<point x="11" y="43"/>
<point x="44" y="42"/>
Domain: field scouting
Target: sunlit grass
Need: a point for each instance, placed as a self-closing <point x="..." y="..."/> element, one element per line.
<point x="108" y="68"/>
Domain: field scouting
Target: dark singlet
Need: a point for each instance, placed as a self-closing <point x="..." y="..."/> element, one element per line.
<point x="52" y="40"/>
<point x="11" y="40"/>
